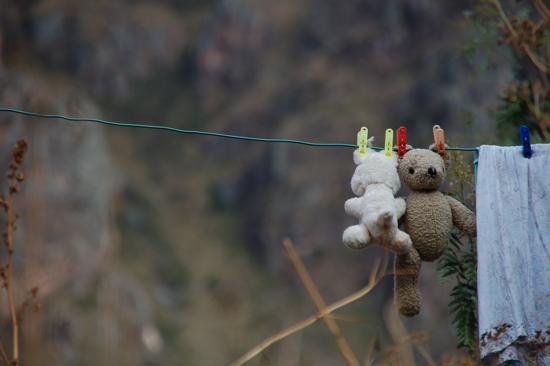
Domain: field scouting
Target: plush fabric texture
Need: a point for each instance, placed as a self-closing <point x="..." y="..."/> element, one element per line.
<point x="429" y="220"/>
<point x="375" y="182"/>
<point x="513" y="244"/>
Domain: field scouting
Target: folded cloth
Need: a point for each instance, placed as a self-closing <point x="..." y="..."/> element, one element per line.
<point x="513" y="243"/>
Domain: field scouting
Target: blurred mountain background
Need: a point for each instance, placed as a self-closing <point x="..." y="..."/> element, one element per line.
<point x="157" y="248"/>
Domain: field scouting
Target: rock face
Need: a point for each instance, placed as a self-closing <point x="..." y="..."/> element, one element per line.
<point x="229" y="48"/>
<point x="109" y="45"/>
<point x="145" y="239"/>
<point x="65" y="159"/>
<point x="66" y="234"/>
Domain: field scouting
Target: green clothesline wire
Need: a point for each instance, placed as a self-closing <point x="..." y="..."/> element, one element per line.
<point x="195" y="132"/>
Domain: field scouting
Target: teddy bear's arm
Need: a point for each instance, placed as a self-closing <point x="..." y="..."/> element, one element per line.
<point x="353" y="207"/>
<point x="463" y="218"/>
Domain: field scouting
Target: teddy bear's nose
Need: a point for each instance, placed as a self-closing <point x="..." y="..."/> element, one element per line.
<point x="432" y="172"/>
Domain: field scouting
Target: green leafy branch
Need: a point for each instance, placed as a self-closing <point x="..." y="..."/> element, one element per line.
<point x="459" y="261"/>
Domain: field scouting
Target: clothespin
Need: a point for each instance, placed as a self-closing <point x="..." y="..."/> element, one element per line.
<point x="525" y="141"/>
<point x="439" y="139"/>
<point x="388" y="146"/>
<point x="362" y="139"/>
<point x="401" y="142"/>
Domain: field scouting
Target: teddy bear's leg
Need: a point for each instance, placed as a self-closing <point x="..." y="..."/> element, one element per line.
<point x="407" y="296"/>
<point x="356" y="237"/>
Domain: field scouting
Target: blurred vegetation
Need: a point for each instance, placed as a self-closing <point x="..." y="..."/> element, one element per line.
<point x="459" y="261"/>
<point x="520" y="32"/>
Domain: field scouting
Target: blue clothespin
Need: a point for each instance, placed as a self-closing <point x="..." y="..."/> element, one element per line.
<point x="525" y="141"/>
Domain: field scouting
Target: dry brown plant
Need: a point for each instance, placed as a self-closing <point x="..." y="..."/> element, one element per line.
<point x="529" y="37"/>
<point x="320" y="303"/>
<point x="6" y="271"/>
<point x="377" y="273"/>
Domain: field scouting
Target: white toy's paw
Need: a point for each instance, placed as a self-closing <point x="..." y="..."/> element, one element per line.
<point x="356" y="237"/>
<point x="401" y="243"/>
<point x="401" y="206"/>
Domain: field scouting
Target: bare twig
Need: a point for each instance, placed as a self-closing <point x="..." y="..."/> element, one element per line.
<point x="346" y="318"/>
<point x="543" y="8"/>
<point x="418" y="339"/>
<point x="374" y="278"/>
<point x="265" y="360"/>
<point x="320" y="303"/>
<point x="424" y="352"/>
<point x="9" y="283"/>
<point x="538" y="63"/>
<point x="4" y="354"/>
<point x="7" y="271"/>
<point x="31" y="296"/>
<point x="399" y="335"/>
<point x="368" y="359"/>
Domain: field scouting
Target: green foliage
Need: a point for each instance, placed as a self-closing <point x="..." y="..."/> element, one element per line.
<point x="461" y="263"/>
<point x="509" y="116"/>
<point x="481" y="50"/>
<point x="520" y="34"/>
<point x="519" y="31"/>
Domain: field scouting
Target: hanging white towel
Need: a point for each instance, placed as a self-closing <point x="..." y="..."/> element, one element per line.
<point x="513" y="239"/>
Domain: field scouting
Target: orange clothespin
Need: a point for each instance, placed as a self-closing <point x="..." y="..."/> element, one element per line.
<point x="439" y="138"/>
<point x="401" y="142"/>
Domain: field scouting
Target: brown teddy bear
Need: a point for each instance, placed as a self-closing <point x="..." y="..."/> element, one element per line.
<point x="429" y="220"/>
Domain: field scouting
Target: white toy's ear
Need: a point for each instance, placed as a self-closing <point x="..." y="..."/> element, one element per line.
<point x="361" y="159"/>
<point x="370" y="141"/>
<point x="357" y="159"/>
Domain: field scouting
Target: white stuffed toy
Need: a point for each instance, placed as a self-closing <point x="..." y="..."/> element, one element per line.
<point x="375" y="182"/>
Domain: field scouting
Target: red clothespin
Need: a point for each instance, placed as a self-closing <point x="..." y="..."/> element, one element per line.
<point x="439" y="138"/>
<point x="401" y="142"/>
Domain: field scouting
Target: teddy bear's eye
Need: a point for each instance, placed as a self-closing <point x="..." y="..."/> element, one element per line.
<point x="411" y="170"/>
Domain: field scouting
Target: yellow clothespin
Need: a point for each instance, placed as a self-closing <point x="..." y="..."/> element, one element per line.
<point x="439" y="139"/>
<point x="362" y="137"/>
<point x="388" y="146"/>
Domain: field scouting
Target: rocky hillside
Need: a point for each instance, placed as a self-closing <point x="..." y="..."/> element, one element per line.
<point x="152" y="247"/>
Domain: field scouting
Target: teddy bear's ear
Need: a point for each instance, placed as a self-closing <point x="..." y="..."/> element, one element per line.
<point x="407" y="149"/>
<point x="446" y="158"/>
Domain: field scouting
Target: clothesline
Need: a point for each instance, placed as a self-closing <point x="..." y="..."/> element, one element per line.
<point x="56" y="116"/>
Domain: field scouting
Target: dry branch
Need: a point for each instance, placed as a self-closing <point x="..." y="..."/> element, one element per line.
<point x="320" y="303"/>
<point x="374" y="278"/>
